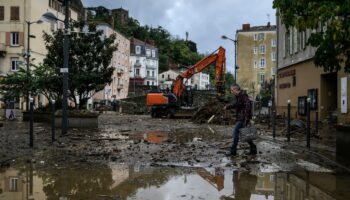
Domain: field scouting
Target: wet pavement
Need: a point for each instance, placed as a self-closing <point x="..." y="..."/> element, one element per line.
<point x="139" y="157"/>
<point x="145" y="182"/>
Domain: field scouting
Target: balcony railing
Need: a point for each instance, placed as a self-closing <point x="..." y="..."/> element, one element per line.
<point x="151" y="67"/>
<point x="151" y="77"/>
<point x="120" y="71"/>
<point x="120" y="86"/>
<point x="2" y="47"/>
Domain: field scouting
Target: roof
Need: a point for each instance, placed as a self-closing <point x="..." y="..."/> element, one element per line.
<point x="259" y="28"/>
<point x="140" y="42"/>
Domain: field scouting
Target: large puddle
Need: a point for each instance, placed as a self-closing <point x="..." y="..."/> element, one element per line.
<point x="144" y="182"/>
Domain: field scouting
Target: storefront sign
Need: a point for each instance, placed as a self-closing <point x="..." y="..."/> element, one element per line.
<point x="344" y="94"/>
<point x="286" y="73"/>
<point x="284" y="85"/>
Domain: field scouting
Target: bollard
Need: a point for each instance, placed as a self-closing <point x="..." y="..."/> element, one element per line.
<point x="31" y="135"/>
<point x="269" y="117"/>
<point x="53" y="121"/>
<point x="288" y="121"/>
<point x="316" y="123"/>
<point x="308" y="123"/>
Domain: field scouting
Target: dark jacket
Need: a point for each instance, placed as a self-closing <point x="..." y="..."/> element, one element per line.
<point x="243" y="107"/>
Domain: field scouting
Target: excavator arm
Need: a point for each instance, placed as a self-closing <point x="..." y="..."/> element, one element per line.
<point x="217" y="56"/>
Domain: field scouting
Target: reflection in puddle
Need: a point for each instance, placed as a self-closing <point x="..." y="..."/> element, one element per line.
<point x="141" y="181"/>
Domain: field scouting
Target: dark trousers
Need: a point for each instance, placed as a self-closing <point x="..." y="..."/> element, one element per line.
<point x="235" y="135"/>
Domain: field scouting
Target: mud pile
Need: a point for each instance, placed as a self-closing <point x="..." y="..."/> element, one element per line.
<point x="213" y="113"/>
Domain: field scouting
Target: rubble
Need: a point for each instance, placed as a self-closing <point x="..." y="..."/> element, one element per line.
<point x="213" y="113"/>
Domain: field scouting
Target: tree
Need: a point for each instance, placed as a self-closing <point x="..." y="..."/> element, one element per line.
<point x="41" y="79"/>
<point x="331" y="19"/>
<point x="89" y="61"/>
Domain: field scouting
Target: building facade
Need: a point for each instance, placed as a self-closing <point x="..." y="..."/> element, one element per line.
<point x="256" y="56"/>
<point x="118" y="88"/>
<point x="14" y="32"/>
<point x="199" y="81"/>
<point x="299" y="79"/>
<point x="144" y="63"/>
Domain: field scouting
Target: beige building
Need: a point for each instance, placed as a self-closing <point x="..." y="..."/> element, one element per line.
<point x="298" y="79"/>
<point x="118" y="88"/>
<point x="14" y="30"/>
<point x="256" y="56"/>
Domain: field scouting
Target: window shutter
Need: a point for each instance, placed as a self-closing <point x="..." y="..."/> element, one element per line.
<point x="21" y="38"/>
<point x="2" y="13"/>
<point x="8" y="38"/>
<point x="15" y="13"/>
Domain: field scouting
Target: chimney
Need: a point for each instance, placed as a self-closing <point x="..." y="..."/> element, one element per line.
<point x="268" y="24"/>
<point x="246" y="27"/>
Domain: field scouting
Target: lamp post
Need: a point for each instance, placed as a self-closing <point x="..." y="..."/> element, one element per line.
<point x="52" y="18"/>
<point x="235" y="43"/>
<point x="28" y="54"/>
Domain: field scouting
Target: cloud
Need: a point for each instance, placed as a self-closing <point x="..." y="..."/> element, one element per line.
<point x="205" y="20"/>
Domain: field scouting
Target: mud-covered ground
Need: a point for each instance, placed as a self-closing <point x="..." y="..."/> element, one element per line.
<point x="162" y="142"/>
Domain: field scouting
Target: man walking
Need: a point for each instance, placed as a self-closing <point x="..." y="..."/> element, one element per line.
<point x="243" y="116"/>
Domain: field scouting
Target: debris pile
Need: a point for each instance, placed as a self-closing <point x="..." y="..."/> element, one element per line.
<point x="213" y="113"/>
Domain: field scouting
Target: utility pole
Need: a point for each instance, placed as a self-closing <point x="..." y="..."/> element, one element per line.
<point x="64" y="70"/>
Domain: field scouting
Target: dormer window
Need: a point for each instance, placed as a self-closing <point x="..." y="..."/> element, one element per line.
<point x="137" y="49"/>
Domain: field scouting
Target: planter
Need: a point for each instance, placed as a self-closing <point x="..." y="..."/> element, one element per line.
<point x="78" y="121"/>
<point x="75" y="120"/>
<point x="37" y="117"/>
<point x="342" y="144"/>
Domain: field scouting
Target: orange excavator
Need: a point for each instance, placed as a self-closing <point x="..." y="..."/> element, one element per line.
<point x="169" y="103"/>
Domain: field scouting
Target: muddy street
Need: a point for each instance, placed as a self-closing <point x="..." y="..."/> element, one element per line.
<point x="139" y="157"/>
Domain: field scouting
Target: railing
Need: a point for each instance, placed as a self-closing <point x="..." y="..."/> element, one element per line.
<point x="2" y="47"/>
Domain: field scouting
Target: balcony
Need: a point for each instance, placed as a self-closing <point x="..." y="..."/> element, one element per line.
<point x="120" y="71"/>
<point x="151" y="67"/>
<point x="2" y="49"/>
<point x="120" y="86"/>
<point x="151" y="77"/>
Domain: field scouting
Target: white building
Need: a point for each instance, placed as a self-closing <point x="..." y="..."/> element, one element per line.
<point x="199" y="81"/>
<point x="144" y="63"/>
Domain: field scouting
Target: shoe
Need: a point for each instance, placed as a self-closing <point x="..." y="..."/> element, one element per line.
<point x="230" y="154"/>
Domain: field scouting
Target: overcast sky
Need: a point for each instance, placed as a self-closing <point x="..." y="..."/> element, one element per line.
<point x="205" y="20"/>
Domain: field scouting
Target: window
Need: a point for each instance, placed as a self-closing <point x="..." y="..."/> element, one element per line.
<point x="168" y="76"/>
<point x="255" y="37"/>
<point x="137" y="72"/>
<point x="14" y="64"/>
<point x="14" y="39"/>
<point x="255" y="64"/>
<point x="2" y="13"/>
<point x="294" y="81"/>
<point x="147" y="73"/>
<point x="162" y="75"/>
<point x="273" y="56"/>
<point x="274" y="43"/>
<point x="262" y="63"/>
<point x="148" y="53"/>
<point x="255" y="50"/>
<point x="153" y="53"/>
<point x="152" y="73"/>
<point x="302" y="105"/>
<point x="137" y="49"/>
<point x="13" y="184"/>
<point x="312" y="94"/>
<point x="14" y="13"/>
<point x="262" y="78"/>
<point x="261" y="36"/>
<point x="262" y="49"/>
<point x="147" y="82"/>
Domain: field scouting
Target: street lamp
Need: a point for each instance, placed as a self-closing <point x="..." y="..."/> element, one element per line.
<point x="28" y="54"/>
<point x="49" y="17"/>
<point x="235" y="43"/>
